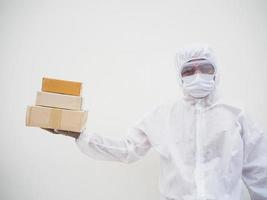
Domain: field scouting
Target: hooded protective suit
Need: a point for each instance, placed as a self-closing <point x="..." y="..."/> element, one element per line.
<point x="206" y="147"/>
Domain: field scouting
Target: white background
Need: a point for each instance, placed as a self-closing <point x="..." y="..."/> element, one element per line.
<point x="123" y="52"/>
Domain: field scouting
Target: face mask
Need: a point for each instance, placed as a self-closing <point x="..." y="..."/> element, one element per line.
<point x="199" y="85"/>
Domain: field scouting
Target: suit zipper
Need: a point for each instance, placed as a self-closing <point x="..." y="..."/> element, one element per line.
<point x="199" y="177"/>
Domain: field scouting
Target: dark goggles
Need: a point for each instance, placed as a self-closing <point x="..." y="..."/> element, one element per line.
<point x="201" y="66"/>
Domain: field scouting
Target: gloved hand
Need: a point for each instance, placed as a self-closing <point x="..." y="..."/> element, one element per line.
<point x="62" y="132"/>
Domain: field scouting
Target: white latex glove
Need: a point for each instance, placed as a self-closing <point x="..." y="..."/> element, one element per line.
<point x="62" y="132"/>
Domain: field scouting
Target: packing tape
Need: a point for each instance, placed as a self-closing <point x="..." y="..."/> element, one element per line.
<point x="55" y="118"/>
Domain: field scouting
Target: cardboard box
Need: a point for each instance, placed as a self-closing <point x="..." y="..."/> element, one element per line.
<point x="59" y="100"/>
<point x="61" y="86"/>
<point x="45" y="117"/>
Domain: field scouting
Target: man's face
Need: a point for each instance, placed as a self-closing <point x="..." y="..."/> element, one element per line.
<point x="198" y="77"/>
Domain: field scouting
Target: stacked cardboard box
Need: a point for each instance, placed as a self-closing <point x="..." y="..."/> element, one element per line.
<point x="58" y="106"/>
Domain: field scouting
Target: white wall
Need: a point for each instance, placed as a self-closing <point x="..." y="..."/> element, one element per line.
<point x="123" y="52"/>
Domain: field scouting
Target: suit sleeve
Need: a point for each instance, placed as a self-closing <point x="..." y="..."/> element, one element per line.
<point x="255" y="159"/>
<point x="128" y="149"/>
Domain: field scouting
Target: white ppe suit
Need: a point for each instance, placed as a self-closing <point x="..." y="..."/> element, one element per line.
<point x="206" y="147"/>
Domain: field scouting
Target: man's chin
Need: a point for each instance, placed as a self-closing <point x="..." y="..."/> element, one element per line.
<point x="199" y="96"/>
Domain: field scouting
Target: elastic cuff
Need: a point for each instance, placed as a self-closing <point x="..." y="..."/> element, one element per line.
<point x="83" y="138"/>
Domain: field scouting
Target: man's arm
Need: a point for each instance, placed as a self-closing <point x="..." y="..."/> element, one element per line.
<point x="128" y="149"/>
<point x="255" y="160"/>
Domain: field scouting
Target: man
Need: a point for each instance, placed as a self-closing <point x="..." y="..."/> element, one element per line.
<point x="206" y="147"/>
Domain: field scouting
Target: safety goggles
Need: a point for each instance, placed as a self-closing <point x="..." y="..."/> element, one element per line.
<point x="192" y="67"/>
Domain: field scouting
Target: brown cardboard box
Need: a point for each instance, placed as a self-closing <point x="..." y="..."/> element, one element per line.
<point x="61" y="86"/>
<point x="59" y="100"/>
<point x="46" y="117"/>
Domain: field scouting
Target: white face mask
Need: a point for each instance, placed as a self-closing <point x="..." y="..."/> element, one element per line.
<point x="199" y="85"/>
